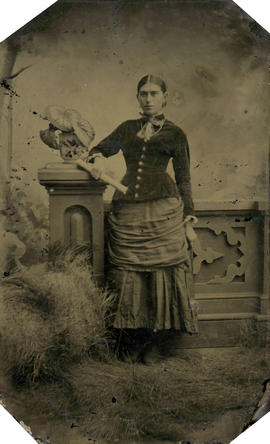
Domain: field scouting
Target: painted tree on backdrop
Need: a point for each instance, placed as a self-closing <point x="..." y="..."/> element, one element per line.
<point x="21" y="41"/>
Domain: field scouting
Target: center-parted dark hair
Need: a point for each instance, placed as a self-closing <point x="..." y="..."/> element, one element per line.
<point x="152" y="79"/>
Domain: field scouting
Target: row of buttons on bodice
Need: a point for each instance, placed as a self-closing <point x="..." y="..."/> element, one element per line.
<point x="139" y="170"/>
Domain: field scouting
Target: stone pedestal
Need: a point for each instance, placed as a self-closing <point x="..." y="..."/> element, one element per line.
<point x="76" y="209"/>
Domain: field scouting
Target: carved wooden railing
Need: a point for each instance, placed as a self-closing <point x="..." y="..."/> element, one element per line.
<point x="231" y="269"/>
<point x="231" y="262"/>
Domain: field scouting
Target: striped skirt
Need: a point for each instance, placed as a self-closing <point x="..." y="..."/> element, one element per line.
<point x="150" y="266"/>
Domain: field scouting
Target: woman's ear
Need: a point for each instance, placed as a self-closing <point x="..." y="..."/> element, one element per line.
<point x="165" y="97"/>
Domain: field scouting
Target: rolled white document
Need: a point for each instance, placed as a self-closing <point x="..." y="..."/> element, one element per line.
<point x="103" y="176"/>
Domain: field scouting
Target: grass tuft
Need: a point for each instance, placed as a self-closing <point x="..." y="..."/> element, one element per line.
<point x="51" y="316"/>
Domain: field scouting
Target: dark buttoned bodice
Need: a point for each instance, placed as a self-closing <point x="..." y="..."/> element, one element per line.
<point x="146" y="176"/>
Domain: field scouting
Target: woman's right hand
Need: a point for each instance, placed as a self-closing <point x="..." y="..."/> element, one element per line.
<point x="99" y="165"/>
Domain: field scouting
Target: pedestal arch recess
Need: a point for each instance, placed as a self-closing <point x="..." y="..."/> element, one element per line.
<point x="78" y="225"/>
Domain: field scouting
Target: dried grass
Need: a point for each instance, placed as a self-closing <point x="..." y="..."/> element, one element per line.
<point x="50" y="316"/>
<point x="168" y="400"/>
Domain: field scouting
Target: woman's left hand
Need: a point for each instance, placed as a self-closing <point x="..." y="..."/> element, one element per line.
<point x="190" y="233"/>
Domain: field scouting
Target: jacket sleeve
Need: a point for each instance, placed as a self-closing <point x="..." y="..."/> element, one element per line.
<point x="181" y="165"/>
<point x="112" y="143"/>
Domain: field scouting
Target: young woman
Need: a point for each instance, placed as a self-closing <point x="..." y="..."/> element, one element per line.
<point x="150" y="265"/>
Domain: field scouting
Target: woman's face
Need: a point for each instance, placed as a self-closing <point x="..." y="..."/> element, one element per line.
<point x="151" y="99"/>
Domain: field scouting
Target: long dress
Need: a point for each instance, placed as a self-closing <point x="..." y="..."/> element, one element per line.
<point x="150" y="264"/>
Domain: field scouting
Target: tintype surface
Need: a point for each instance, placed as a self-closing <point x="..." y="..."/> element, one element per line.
<point x="89" y="56"/>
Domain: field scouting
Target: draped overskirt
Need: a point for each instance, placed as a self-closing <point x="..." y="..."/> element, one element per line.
<point x="151" y="266"/>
